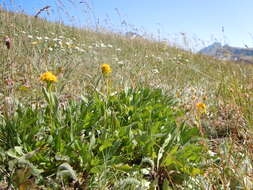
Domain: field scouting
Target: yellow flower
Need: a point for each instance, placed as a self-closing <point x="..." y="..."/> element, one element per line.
<point x="106" y="69"/>
<point x="201" y="107"/>
<point x="48" y="77"/>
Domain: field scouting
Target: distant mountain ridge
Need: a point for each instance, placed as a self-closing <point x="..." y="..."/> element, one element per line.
<point x="229" y="53"/>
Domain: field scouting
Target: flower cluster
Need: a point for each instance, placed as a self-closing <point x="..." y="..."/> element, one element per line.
<point x="48" y="77"/>
<point x="56" y="43"/>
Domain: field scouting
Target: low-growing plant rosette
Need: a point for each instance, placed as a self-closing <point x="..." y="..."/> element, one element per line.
<point x="123" y="135"/>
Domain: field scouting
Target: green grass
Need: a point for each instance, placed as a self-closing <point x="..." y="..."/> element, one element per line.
<point x="137" y="128"/>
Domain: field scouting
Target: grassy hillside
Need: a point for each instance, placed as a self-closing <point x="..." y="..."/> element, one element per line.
<point x="164" y="118"/>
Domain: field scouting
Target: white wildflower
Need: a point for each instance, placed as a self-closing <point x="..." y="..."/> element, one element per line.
<point x="102" y="45"/>
<point x="121" y="62"/>
<point x="211" y="153"/>
<point x="115" y="59"/>
<point x="76" y="48"/>
<point x="39" y="38"/>
<point x="81" y="50"/>
<point x="155" y="71"/>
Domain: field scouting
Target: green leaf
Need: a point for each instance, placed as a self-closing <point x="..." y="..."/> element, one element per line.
<point x="196" y="171"/>
<point x="12" y="153"/>
<point x="65" y="170"/>
<point x="92" y="142"/>
<point x="170" y="157"/>
<point x="18" y="149"/>
<point x="123" y="167"/>
<point x="95" y="170"/>
<point x="21" y="175"/>
<point x="149" y="161"/>
<point x="104" y="146"/>
<point x="162" y="149"/>
<point x="129" y="181"/>
<point x="95" y="161"/>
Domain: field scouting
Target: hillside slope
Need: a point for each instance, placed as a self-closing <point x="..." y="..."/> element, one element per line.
<point x="76" y="55"/>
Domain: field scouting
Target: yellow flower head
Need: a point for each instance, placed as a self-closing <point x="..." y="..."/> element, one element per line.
<point x="201" y="107"/>
<point x="106" y="69"/>
<point x="48" y="77"/>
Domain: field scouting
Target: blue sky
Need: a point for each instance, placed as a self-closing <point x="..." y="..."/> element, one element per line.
<point x="200" y="21"/>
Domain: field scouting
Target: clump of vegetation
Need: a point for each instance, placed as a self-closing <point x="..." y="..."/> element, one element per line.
<point x="130" y="139"/>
